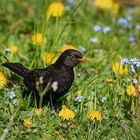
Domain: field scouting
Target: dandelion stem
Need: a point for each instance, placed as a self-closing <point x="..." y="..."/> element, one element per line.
<point x="89" y="129"/>
<point x="40" y="101"/>
<point x="42" y="93"/>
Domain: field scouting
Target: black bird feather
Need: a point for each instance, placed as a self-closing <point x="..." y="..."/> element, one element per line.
<point x="61" y="72"/>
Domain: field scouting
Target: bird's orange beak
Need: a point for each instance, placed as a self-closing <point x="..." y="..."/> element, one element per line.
<point x="83" y="59"/>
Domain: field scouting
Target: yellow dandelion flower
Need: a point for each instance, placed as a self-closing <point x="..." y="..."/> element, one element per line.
<point x="55" y="9"/>
<point x="66" y="114"/>
<point x="14" y="49"/>
<point x="104" y="4"/>
<point x="49" y="57"/>
<point x="38" y="111"/>
<point x="108" y="4"/>
<point x="94" y="115"/>
<point x="78" y="93"/>
<point x="55" y="133"/>
<point x="3" y="80"/>
<point x="115" y="8"/>
<point x="131" y="90"/>
<point x="27" y="122"/>
<point x="66" y="47"/>
<point x="37" y="38"/>
<point x="118" y="68"/>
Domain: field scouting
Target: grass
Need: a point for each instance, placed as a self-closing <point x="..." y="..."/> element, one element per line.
<point x="120" y="119"/>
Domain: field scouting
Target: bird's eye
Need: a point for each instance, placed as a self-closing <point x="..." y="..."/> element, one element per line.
<point x="73" y="57"/>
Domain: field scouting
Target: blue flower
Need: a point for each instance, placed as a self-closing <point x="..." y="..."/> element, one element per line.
<point x="135" y="81"/>
<point x="124" y="61"/>
<point x="96" y="28"/>
<point x="123" y="126"/>
<point x="72" y="2"/>
<point x="131" y="38"/>
<point x="11" y="94"/>
<point x="124" y="22"/>
<point x="129" y="18"/>
<point x="7" y="50"/>
<point x="137" y="27"/>
<point x="103" y="99"/>
<point x="78" y="99"/>
<point x="14" y="102"/>
<point x="106" y="29"/>
<point x="82" y="49"/>
<point x="93" y="40"/>
<point x="130" y="10"/>
<point x="138" y="64"/>
<point x="133" y="61"/>
<point x="132" y="69"/>
<point x="129" y="25"/>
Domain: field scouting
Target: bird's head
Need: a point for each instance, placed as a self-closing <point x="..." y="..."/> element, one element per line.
<point x="70" y="58"/>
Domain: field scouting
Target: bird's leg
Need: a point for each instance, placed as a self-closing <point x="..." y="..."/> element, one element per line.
<point x="51" y="101"/>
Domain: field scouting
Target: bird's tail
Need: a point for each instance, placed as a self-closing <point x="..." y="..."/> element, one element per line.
<point x="16" y="68"/>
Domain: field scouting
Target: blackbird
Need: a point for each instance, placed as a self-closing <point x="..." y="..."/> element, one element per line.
<point x="55" y="80"/>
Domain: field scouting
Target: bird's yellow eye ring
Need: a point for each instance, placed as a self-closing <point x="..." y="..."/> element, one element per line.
<point x="73" y="57"/>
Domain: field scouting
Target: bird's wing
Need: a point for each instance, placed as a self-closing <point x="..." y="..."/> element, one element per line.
<point x="39" y="77"/>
